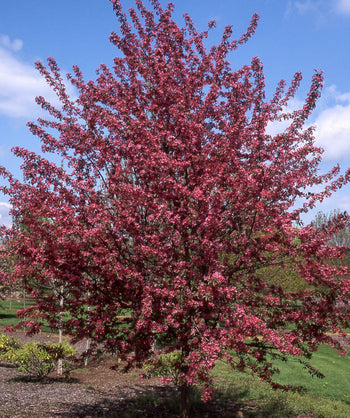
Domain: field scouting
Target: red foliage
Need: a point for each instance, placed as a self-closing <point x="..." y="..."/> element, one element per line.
<point x="171" y="197"/>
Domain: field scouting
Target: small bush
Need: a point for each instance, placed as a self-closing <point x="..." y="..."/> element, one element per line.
<point x="7" y="344"/>
<point x="33" y="359"/>
<point x="165" y="366"/>
<point x="59" y="350"/>
<point x="39" y="359"/>
<point x="66" y="353"/>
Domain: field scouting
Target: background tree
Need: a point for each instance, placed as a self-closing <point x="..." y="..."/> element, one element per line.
<point x="341" y="236"/>
<point x="336" y="226"/>
<point x="173" y="200"/>
<point x="8" y="286"/>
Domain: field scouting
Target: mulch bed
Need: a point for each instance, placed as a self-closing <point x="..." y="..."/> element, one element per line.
<point x="99" y="390"/>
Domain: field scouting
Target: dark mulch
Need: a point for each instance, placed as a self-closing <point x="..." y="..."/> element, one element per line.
<point x="99" y="390"/>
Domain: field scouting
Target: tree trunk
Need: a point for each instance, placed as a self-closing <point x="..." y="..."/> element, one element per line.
<point x="60" y="333"/>
<point x="60" y="361"/>
<point x="86" y="351"/>
<point x="88" y="339"/>
<point x="185" y="401"/>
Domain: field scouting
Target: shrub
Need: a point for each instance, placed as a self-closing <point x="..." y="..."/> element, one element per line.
<point x="164" y="366"/>
<point x="33" y="359"/>
<point x="7" y="344"/>
<point x="39" y="359"/>
<point x="65" y="352"/>
<point x="59" y="350"/>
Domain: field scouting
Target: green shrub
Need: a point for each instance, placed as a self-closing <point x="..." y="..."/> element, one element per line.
<point x="39" y="359"/>
<point x="65" y="352"/>
<point x="7" y="344"/>
<point x="33" y="359"/>
<point x="59" y="350"/>
<point x="165" y="366"/>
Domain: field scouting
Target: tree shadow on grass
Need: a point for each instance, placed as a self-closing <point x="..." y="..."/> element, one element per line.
<point x="233" y="399"/>
<point x="158" y="401"/>
<point x="7" y="315"/>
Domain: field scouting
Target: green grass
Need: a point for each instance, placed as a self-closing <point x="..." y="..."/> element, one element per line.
<point x="15" y="305"/>
<point x="8" y="314"/>
<point x="8" y="311"/>
<point x="336" y="369"/>
<point x="328" y="397"/>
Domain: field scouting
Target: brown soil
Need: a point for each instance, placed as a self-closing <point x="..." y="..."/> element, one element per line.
<point x="99" y="390"/>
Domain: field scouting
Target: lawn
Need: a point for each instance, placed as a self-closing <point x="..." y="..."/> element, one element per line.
<point x="8" y="314"/>
<point x="327" y="397"/>
<point x="336" y="369"/>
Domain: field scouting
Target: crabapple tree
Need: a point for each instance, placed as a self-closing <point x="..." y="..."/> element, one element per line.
<point x="170" y="198"/>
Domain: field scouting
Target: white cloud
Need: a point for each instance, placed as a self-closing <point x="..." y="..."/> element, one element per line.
<point x="343" y="6"/>
<point x="319" y="8"/>
<point x="343" y="203"/>
<point x="333" y="126"/>
<point x="20" y="83"/>
<point x="307" y="6"/>
<point x="276" y="127"/>
<point x="5" y="218"/>
<point x="339" y="200"/>
<point x="15" y="45"/>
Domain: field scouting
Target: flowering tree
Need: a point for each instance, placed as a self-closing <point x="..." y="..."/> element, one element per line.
<point x="170" y="198"/>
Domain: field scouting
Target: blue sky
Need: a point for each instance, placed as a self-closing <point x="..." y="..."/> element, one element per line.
<point x="292" y="35"/>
